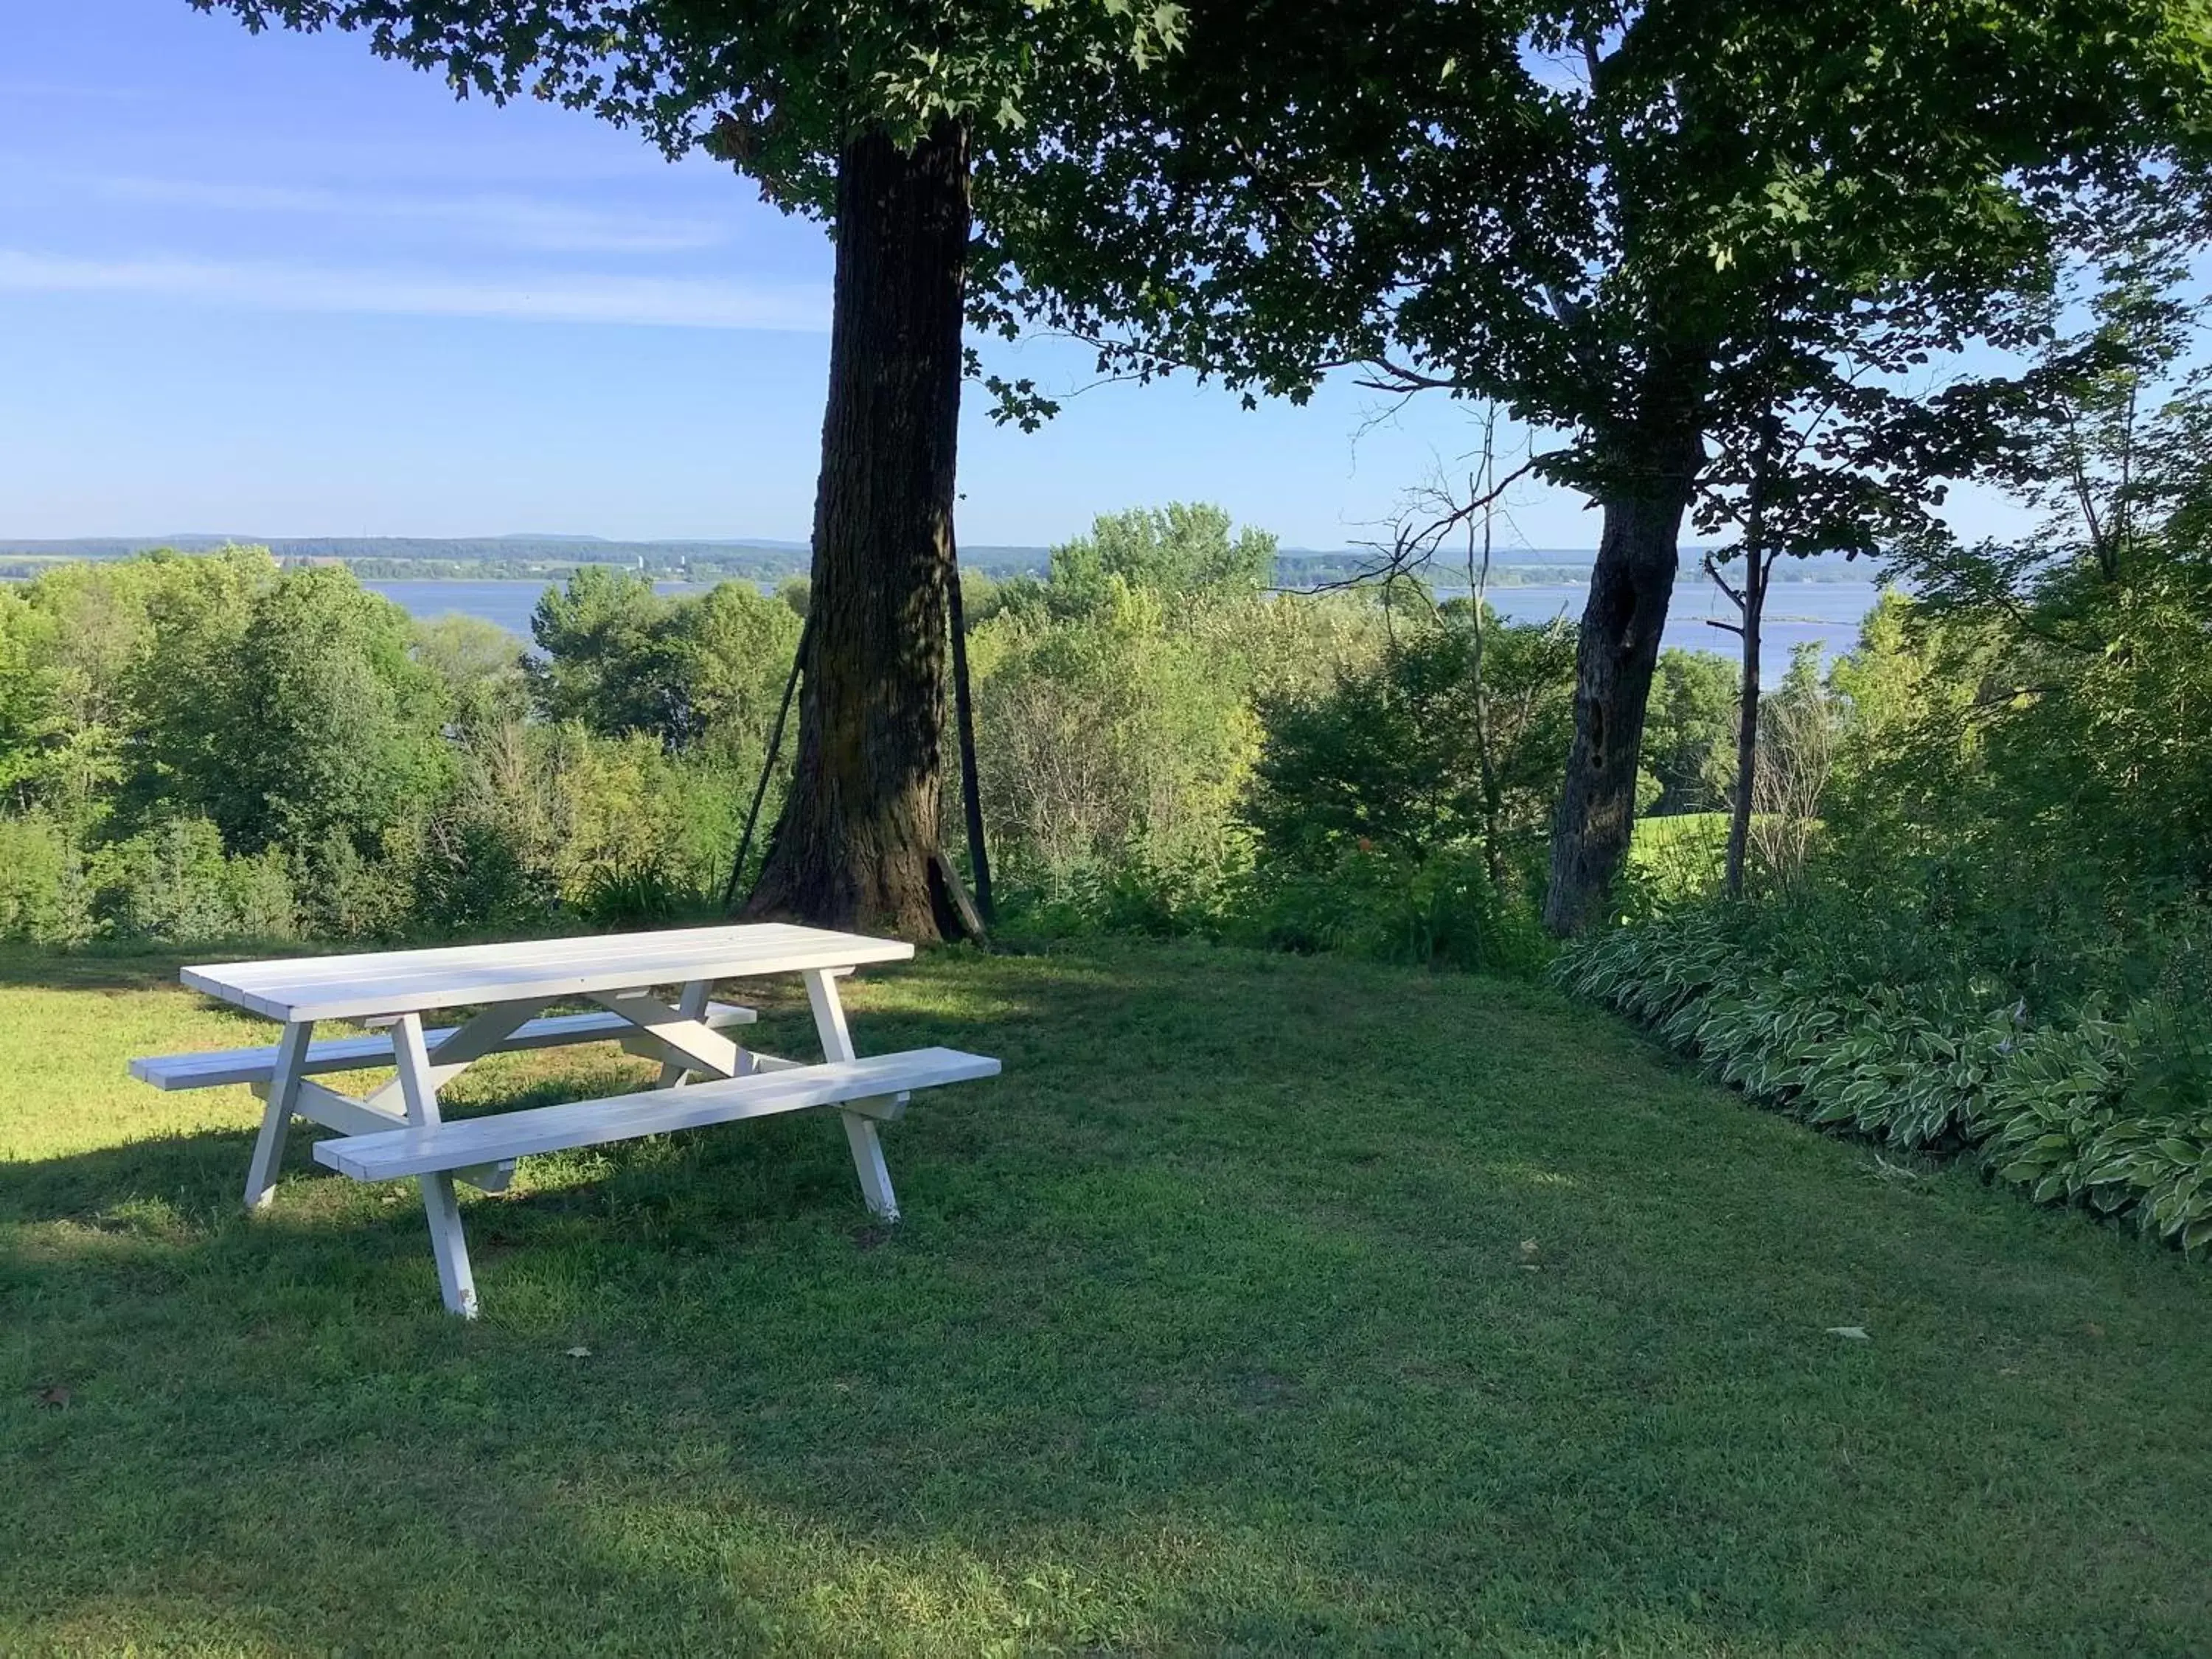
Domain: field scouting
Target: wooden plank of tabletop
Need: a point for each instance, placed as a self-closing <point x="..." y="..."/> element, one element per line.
<point x="415" y="981"/>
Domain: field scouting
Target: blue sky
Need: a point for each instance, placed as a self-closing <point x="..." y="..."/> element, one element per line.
<point x="270" y="285"/>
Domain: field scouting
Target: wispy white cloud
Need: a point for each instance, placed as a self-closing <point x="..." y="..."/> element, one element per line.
<point x="516" y="221"/>
<point x="663" y="303"/>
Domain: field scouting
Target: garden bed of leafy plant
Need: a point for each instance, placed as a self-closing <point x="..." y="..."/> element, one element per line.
<point x="2101" y="1105"/>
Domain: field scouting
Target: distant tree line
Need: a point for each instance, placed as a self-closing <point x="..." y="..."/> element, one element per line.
<point x="196" y="746"/>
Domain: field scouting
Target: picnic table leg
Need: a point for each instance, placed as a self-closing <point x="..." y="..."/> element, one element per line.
<point x="277" y="1118"/>
<point x="860" y="1131"/>
<point x="459" y="1049"/>
<point x="420" y="1087"/>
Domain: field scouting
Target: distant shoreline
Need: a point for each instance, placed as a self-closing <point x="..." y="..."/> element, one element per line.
<point x="542" y="559"/>
<point x="1826" y="614"/>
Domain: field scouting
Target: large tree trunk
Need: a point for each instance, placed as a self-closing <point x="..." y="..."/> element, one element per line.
<point x="1618" y="648"/>
<point x="854" y="847"/>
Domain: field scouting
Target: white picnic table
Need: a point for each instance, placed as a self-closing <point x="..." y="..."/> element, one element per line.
<point x="706" y="1077"/>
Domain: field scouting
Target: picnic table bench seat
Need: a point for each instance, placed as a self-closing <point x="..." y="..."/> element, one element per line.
<point x="212" y="1069"/>
<point x="877" y="1086"/>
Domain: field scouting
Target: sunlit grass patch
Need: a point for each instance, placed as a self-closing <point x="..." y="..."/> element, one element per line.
<point x="1265" y="1304"/>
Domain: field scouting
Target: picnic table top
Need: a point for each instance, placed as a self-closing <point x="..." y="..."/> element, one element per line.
<point x="293" y="988"/>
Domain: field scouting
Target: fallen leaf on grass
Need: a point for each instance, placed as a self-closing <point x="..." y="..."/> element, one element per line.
<point x="580" y="1352"/>
<point x="1855" y="1332"/>
<point x="57" y="1397"/>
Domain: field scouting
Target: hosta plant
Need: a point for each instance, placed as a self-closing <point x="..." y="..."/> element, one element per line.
<point x="2112" y="1113"/>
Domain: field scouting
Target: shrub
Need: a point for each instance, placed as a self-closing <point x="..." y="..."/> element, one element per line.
<point x="472" y="874"/>
<point x="1673" y="859"/>
<point x="643" y="892"/>
<point x="173" y="882"/>
<point x="263" y="904"/>
<point x="1450" y="736"/>
<point x="1689" y="733"/>
<point x="1117" y="737"/>
<point x="283" y="706"/>
<point x="1437" y="912"/>
<point x="344" y="895"/>
<point x="44" y="897"/>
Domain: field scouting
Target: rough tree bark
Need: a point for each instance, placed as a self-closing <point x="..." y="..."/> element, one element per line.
<point x="1630" y="587"/>
<point x="854" y="847"/>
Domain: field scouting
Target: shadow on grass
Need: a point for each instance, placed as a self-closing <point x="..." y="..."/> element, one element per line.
<point x="707" y="1407"/>
<point x="1265" y="1309"/>
<point x="197" y="1173"/>
<point x="91" y="969"/>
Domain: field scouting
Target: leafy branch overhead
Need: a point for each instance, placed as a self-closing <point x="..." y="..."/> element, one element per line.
<point x="776" y="89"/>
<point x="1572" y="209"/>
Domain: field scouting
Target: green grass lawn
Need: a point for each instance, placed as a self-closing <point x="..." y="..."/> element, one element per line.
<point x="1264" y="1305"/>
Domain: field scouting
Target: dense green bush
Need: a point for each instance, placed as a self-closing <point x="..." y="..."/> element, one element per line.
<point x="173" y="881"/>
<point x="1452" y="736"/>
<point x="645" y="893"/>
<point x="1130" y="895"/>
<point x="1166" y="749"/>
<point x="44" y="898"/>
<point x="1117" y="715"/>
<point x="467" y="872"/>
<point x="206" y="747"/>
<point x="1437" y="911"/>
<point x="1440" y="911"/>
<point x="1117" y="737"/>
<point x="1671" y="859"/>
<point x="1689" y="733"/>
<point x="619" y="658"/>
<point x="282" y="706"/>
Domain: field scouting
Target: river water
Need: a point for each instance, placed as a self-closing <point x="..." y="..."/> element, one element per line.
<point x="1823" y="613"/>
<point x="1826" y="614"/>
<point x="506" y="603"/>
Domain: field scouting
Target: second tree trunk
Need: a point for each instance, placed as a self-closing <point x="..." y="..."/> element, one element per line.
<point x="1617" y="650"/>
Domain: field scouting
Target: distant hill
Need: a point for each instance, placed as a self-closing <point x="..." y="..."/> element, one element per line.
<point x="759" y="559"/>
<point x="491" y="557"/>
<point x="1526" y="566"/>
